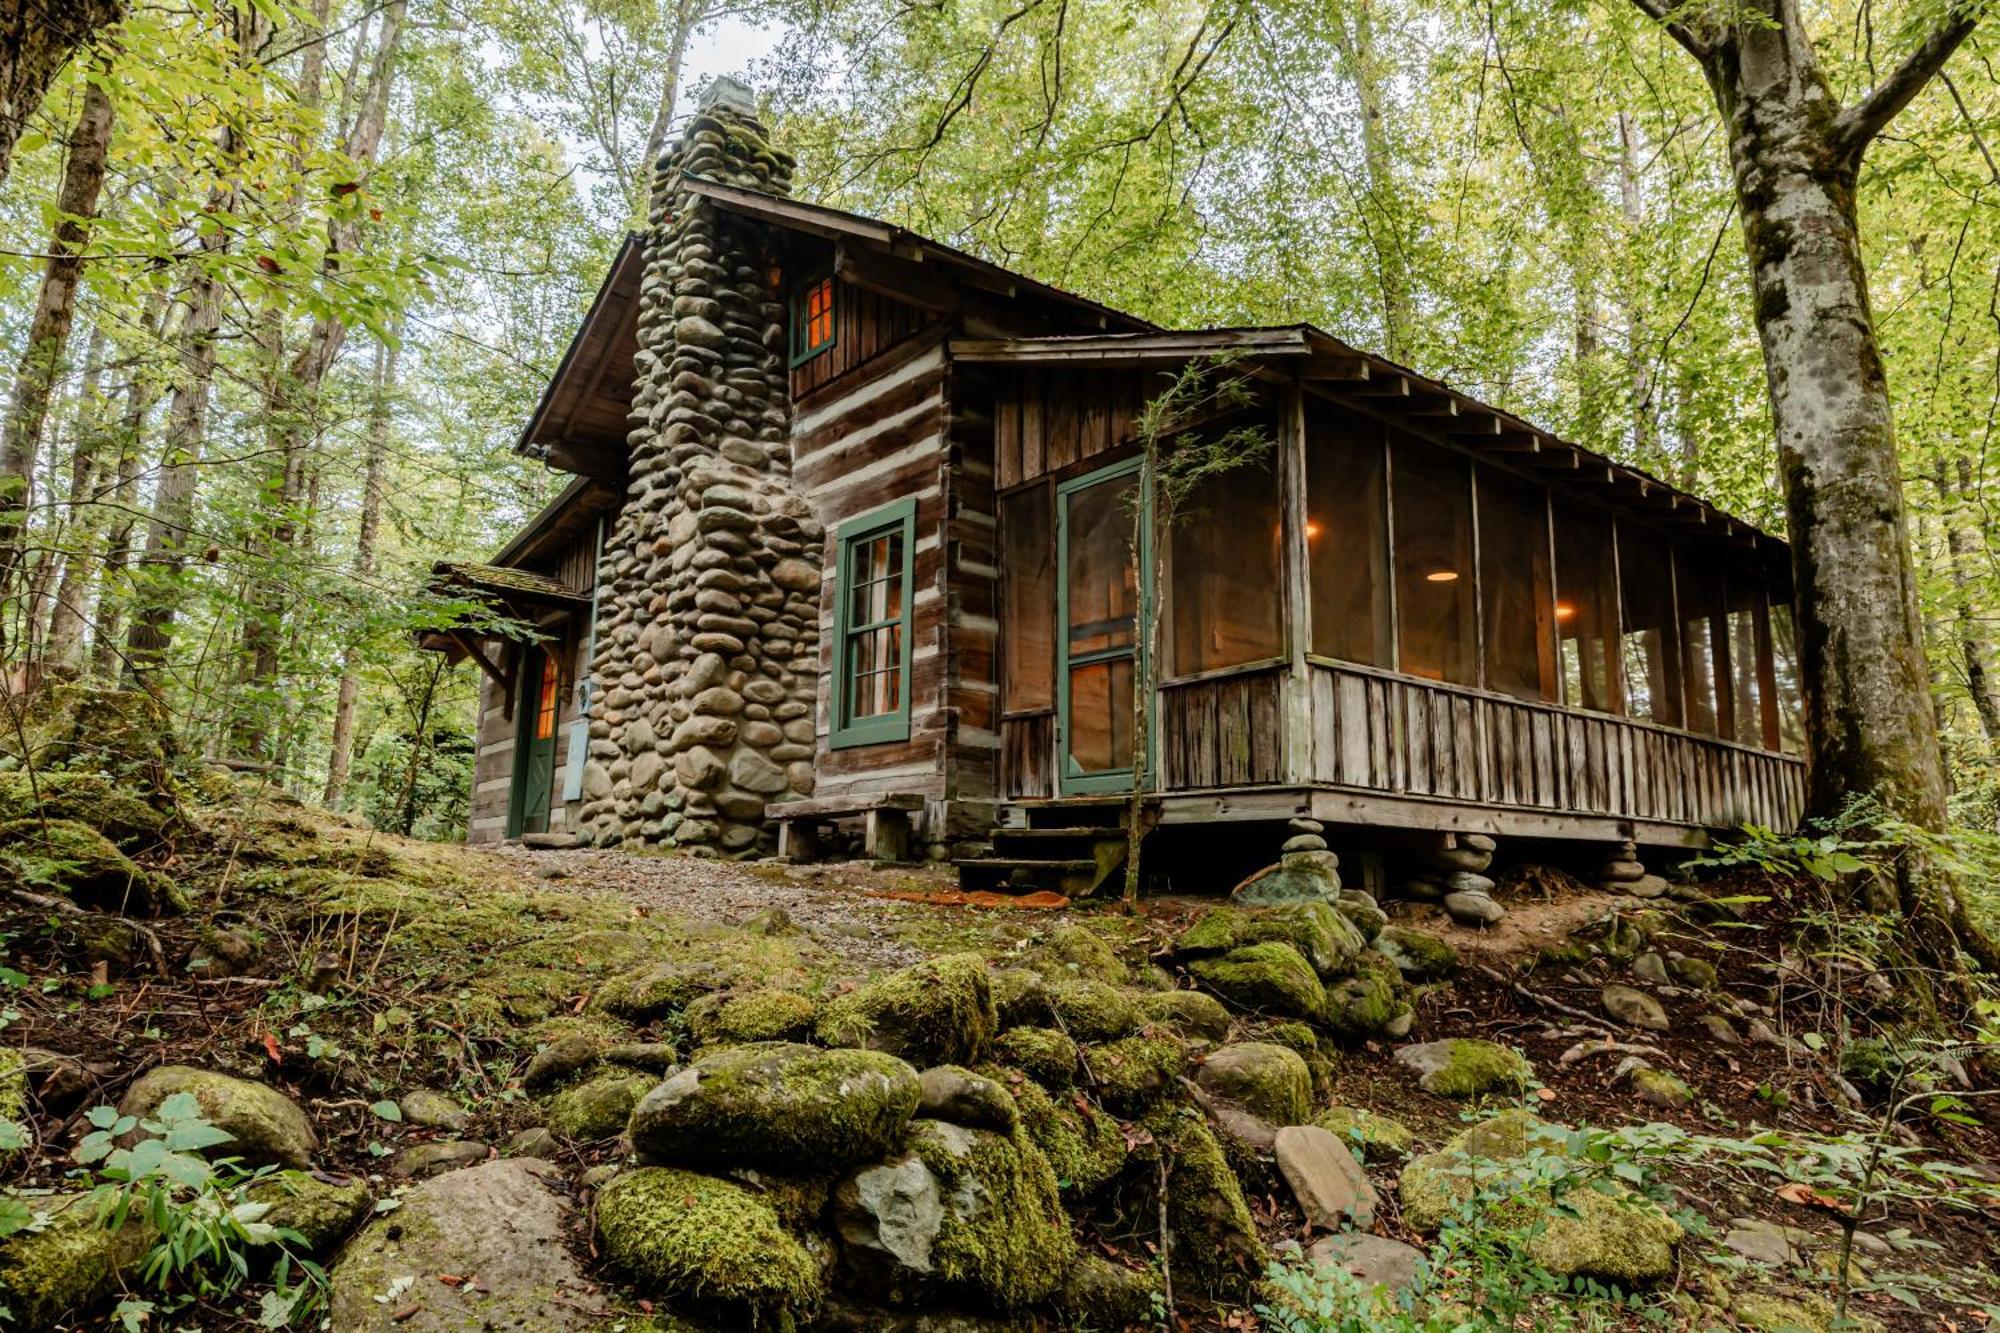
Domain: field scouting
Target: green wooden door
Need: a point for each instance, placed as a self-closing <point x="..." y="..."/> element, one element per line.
<point x="534" y="745"/>
<point x="1099" y="629"/>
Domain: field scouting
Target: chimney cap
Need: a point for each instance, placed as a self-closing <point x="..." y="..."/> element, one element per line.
<point x="729" y="94"/>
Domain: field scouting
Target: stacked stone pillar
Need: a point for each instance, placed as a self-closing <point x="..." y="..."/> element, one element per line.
<point x="708" y="617"/>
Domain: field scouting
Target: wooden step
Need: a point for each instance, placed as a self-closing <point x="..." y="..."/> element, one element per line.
<point x="1057" y="836"/>
<point x="1009" y="864"/>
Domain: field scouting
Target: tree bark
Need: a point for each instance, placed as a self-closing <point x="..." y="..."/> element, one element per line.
<point x="37" y="38"/>
<point x="1975" y="649"/>
<point x="688" y="15"/>
<point x="1355" y="29"/>
<point x="1638" y="359"/>
<point x="340" y="761"/>
<point x="62" y="649"/>
<point x="142" y="393"/>
<point x="48" y="331"/>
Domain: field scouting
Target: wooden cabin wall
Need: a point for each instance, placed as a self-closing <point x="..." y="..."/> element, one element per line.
<point x="865" y="326"/>
<point x="972" y="629"/>
<point x="492" y="766"/>
<point x="1045" y="421"/>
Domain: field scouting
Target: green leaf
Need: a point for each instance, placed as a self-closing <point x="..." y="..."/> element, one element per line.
<point x="388" y="1110"/>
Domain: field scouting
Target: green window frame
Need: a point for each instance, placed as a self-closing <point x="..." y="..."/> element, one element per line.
<point x="873" y="589"/>
<point x="815" y="319"/>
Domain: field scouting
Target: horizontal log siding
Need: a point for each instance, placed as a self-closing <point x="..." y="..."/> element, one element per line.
<point x="1410" y="737"/>
<point x="492" y="768"/>
<point x="972" y="629"/>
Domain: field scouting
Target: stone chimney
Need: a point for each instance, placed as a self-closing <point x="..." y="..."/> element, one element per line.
<point x="707" y="646"/>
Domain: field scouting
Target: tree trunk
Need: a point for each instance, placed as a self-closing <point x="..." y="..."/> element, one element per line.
<point x="688" y="15"/>
<point x="142" y="393"/>
<point x="341" y="760"/>
<point x="1356" y="36"/>
<point x="37" y="38"/>
<point x="1974" y="647"/>
<point x="1638" y="356"/>
<point x="48" y="332"/>
<point x="63" y="647"/>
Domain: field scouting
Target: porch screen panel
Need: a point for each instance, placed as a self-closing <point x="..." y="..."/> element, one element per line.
<point x="1649" y="640"/>
<point x="1515" y="598"/>
<point x="1102" y="618"/>
<point x="1746" y="697"/>
<point x="1586" y="613"/>
<point x="1788" y="678"/>
<point x="1703" y="634"/>
<point x="1028" y="567"/>
<point x="1347" y="533"/>
<point x="1225" y="572"/>
<point x="1437" y="632"/>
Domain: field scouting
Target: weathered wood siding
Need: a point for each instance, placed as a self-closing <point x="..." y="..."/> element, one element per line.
<point x="1221" y="732"/>
<point x="1045" y="421"/>
<point x="492" y="766"/>
<point x="1376" y="731"/>
<point x="865" y="326"/>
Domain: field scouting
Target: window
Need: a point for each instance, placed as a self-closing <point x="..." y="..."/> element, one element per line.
<point x="1649" y="641"/>
<point x="1703" y="634"/>
<point x="1437" y="637"/>
<point x="1514" y="588"/>
<point x="1226" y="572"/>
<point x="1028" y="635"/>
<point x="1746" y="689"/>
<point x="547" y="700"/>
<point x="1787" y="678"/>
<point x="871" y="646"/>
<point x="1347" y="533"/>
<point x="1586" y="616"/>
<point x="812" y="320"/>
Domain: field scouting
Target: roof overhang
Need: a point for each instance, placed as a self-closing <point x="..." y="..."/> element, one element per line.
<point x="522" y="605"/>
<point x="581" y="423"/>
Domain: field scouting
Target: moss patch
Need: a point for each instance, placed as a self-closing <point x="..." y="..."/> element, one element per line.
<point x="82" y="864"/>
<point x="1417" y="954"/>
<point x="68" y="1265"/>
<point x="1216" y="1248"/>
<point x="1043" y="1054"/>
<point x="325" y="1210"/>
<point x="1084" y="1146"/>
<point x="1373" y="1137"/>
<point x="938" y="1012"/>
<point x="1076" y="950"/>
<point x="1093" y="1011"/>
<point x="597" y="1108"/>
<point x="1188" y="1012"/>
<point x="755" y="1015"/>
<point x="1267" y="1080"/>
<point x="1271" y="977"/>
<point x="1005" y="1231"/>
<point x="1366" y="1003"/>
<point x="266" y="1126"/>
<point x="1326" y="939"/>
<point x="709" y="1242"/>
<point x="1132" y="1074"/>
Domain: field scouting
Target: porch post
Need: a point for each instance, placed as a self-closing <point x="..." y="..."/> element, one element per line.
<point x="1295" y="694"/>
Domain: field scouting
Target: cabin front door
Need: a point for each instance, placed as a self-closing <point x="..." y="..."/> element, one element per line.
<point x="1098" y="614"/>
<point x="534" y="744"/>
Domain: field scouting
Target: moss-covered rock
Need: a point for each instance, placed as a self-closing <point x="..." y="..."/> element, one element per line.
<point x="661" y="989"/>
<point x="323" y="1209"/>
<point x="1319" y="1056"/>
<point x="1324" y="937"/>
<point x="1093" y="1011"/>
<point x="1361" y="908"/>
<point x="1188" y="1012"/>
<point x="1616" y="1237"/>
<point x="84" y="726"/>
<point x="1021" y="997"/>
<point x="598" y="1107"/>
<point x="937" y="1012"/>
<point x="754" y="1015"/>
<point x="1267" y="1080"/>
<point x="778" y="1105"/>
<point x="1773" y="1312"/>
<point x="711" y="1243"/>
<point x="1369" y="1135"/>
<point x="1417" y="954"/>
<point x="1369" y="1002"/>
<point x="1216" y="1247"/>
<point x="13" y="1084"/>
<point x="1657" y="1087"/>
<point x="114" y="810"/>
<point x="1084" y="1146"/>
<point x="1467" y="1067"/>
<point x="1043" y="1054"/>
<point x="1097" y="1293"/>
<point x="1270" y="978"/>
<point x="563" y="1058"/>
<point x="949" y="1092"/>
<point x="265" y="1126"/>
<point x="1077" y="951"/>
<point x="1133" y="1073"/>
<point x="69" y="1264"/>
<point x="82" y="864"/>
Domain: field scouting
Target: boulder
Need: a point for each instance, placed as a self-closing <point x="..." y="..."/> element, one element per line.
<point x="1761" y="1243"/>
<point x="1332" y="1189"/>
<point x="710" y="1243"/>
<point x="1694" y="973"/>
<point x="1188" y="1012"/>
<point x="266" y="1127"/>
<point x="1097" y="1293"/>
<point x="1300" y="877"/>
<point x="1020" y="997"/>
<point x="1473" y="908"/>
<point x="1369" y="1134"/>
<point x="70" y="1263"/>
<point x="560" y="1059"/>
<point x="534" y="1141"/>
<point x="324" y="1209"/>
<point x="430" y="1159"/>
<point x="658" y="990"/>
<point x="1656" y="1087"/>
<point x="1649" y="967"/>
<point x="1466" y="1067"/>
<point x="1272" y="977"/>
<point x="734" y="1017"/>
<point x="1043" y="1054"/>
<point x="1093" y="1011"/>
<point x="1634" y="1008"/>
<point x="964" y="1098"/>
<point x="778" y="1105"/>
<point x="1216" y="1247"/>
<point x="1376" y="1262"/>
<point x="1417" y="955"/>
<point x="1084" y="1146"/>
<point x="598" y="1107"/>
<point x="655" y="1057"/>
<point x="1326" y="938"/>
<point x="960" y="1209"/>
<point x="1075" y="950"/>
<point x="1133" y="1073"/>
<point x="938" y="1012"/>
<point x="502" y="1221"/>
<point x="1361" y="908"/>
<point x="1366" y="1004"/>
<point x="428" y="1109"/>
<point x="1267" y="1080"/>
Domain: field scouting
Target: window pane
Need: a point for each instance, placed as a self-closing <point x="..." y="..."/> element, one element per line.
<point x="1103" y="585"/>
<point x="1028" y="564"/>
<point x="1514" y="585"/>
<point x="1586" y="619"/>
<point x="1650" y="643"/>
<point x="1226" y="572"/>
<point x="1434" y="609"/>
<point x="546" y="702"/>
<point x="1347" y="535"/>
<point x="1702" y="633"/>
<point x="1100" y="711"/>
<point x="1746" y="704"/>
<point x="1785" y="664"/>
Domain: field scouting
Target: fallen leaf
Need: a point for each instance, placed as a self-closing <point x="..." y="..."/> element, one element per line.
<point x="1803" y="1194"/>
<point x="1546" y="1094"/>
<point x="273" y="1049"/>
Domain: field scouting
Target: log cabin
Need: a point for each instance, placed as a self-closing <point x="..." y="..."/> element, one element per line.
<point x="847" y="539"/>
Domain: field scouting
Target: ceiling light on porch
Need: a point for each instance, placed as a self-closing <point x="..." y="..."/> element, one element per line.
<point x="1564" y="610"/>
<point x="1442" y="576"/>
<point x="1312" y="528"/>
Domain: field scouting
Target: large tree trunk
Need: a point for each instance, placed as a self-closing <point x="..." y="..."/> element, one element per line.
<point x="1638" y="353"/>
<point x="62" y="649"/>
<point x="1358" y="40"/>
<point x="48" y="332"/>
<point x="1975" y="649"/>
<point x="688" y="15"/>
<point x="37" y="38"/>
<point x="341" y="760"/>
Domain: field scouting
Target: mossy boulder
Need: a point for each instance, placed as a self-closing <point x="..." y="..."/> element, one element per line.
<point x="1043" y="1054"/>
<point x="960" y="1210"/>
<point x="1132" y="1073"/>
<point x="1077" y="951"/>
<point x="1326" y="939"/>
<point x="70" y="1263"/>
<point x="1657" y="1087"/>
<point x="753" y="1015"/>
<point x="14" y="1083"/>
<point x="1021" y="997"/>
<point x="1467" y="1067"/>
<point x="965" y="1098"/>
<point x="323" y="1209"/>
<point x="598" y="1107"/>
<point x="1368" y="1003"/>
<point x="1188" y="1012"/>
<point x="114" y="810"/>
<point x="1272" y="977"/>
<point x="1216" y="1247"/>
<point x="563" y="1058"/>
<point x="1774" y="1312"/>
<point x="662" y="989"/>
<point x="1361" y="908"/>
<point x="1370" y="1135"/>
<point x="1269" y="1081"/>
<point x="938" y="1012"/>
<point x="84" y="866"/>
<point x="1417" y="954"/>
<point x="1084" y="1146"/>
<point x="778" y="1105"/>
<point x="1319" y="1056"/>
<point x="711" y="1243"/>
<point x="265" y="1126"/>
<point x="1092" y="1010"/>
<point x="1097" y="1293"/>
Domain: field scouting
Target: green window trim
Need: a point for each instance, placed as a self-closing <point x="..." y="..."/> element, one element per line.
<point x="851" y="537"/>
<point x="804" y="347"/>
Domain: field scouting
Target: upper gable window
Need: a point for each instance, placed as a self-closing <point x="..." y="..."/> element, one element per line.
<point x="812" y="320"/>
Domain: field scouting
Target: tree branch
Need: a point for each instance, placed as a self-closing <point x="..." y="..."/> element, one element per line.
<point x="1663" y="15"/>
<point x="1860" y="123"/>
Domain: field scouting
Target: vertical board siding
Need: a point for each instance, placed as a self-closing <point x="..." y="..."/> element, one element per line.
<point x="1412" y="737"/>
<point x="1027" y="756"/>
<point x="1221" y="733"/>
<point x="1048" y="420"/>
<point x="865" y="325"/>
